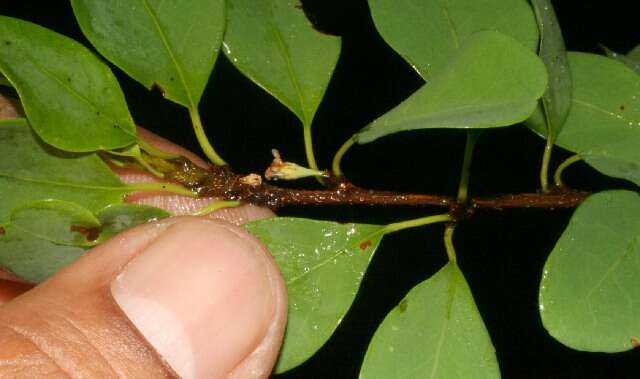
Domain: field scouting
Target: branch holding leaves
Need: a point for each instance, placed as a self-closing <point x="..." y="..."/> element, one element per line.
<point x="481" y="72"/>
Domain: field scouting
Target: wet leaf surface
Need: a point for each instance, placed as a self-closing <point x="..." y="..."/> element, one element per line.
<point x="323" y="264"/>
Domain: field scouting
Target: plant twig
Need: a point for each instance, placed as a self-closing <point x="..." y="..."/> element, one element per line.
<point x="223" y="183"/>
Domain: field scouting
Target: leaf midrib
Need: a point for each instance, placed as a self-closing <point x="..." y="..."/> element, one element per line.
<point x="168" y="48"/>
<point x="284" y="52"/>
<point x="343" y="250"/>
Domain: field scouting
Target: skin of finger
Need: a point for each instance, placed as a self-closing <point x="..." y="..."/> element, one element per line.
<point x="79" y="331"/>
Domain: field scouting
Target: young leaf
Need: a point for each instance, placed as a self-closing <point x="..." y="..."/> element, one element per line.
<point x="603" y="125"/>
<point x="491" y="81"/>
<point x="31" y="170"/>
<point x="323" y="264"/>
<point x="632" y="60"/>
<point x="557" y="99"/>
<point x="590" y="288"/>
<point x="274" y="44"/>
<point x="172" y="45"/>
<point x="42" y="237"/>
<point x="435" y="332"/>
<point x="407" y="25"/>
<point x="71" y="98"/>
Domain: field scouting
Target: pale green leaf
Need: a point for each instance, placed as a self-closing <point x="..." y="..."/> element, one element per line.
<point x="632" y="60"/>
<point x="71" y="98"/>
<point x="322" y="263"/>
<point x="274" y="44"/>
<point x="491" y="81"/>
<point x="590" y="288"/>
<point x="42" y="237"/>
<point x="603" y="125"/>
<point x="557" y="99"/>
<point x="31" y="170"/>
<point x="435" y="332"/>
<point x="427" y="33"/>
<point x="170" y="44"/>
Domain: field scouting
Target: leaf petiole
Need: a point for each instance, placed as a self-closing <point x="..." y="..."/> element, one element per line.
<point x="202" y="138"/>
<point x="216" y="205"/>
<point x="337" y="159"/>
<point x="546" y="159"/>
<point x="557" y="177"/>
<point x="448" y="242"/>
<point x="396" y="226"/>
<point x="463" y="188"/>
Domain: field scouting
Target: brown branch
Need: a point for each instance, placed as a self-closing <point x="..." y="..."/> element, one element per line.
<point x="222" y="182"/>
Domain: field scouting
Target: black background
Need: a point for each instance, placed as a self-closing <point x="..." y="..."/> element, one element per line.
<point x="501" y="252"/>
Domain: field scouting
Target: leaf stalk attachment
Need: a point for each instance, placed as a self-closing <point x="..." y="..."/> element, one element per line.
<point x="203" y="140"/>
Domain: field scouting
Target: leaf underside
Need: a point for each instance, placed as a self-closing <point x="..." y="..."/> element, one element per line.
<point x="273" y="43"/>
<point x="322" y="263"/>
<point x="435" y="332"/>
<point x="590" y="289"/>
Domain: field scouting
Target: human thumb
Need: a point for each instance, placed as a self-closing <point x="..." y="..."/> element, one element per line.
<point x="192" y="297"/>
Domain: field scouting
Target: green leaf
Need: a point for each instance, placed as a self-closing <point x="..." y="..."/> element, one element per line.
<point x="427" y="33"/>
<point x="42" y="237"/>
<point x="71" y="98"/>
<point x="435" y="332"/>
<point x="274" y="44"/>
<point x="557" y="99"/>
<point x="170" y="44"/>
<point x="634" y="53"/>
<point x="632" y="60"/>
<point x="323" y="264"/>
<point x="4" y="82"/>
<point x="31" y="170"/>
<point x="116" y="218"/>
<point x="492" y="81"/>
<point x="590" y="289"/>
<point x="603" y="125"/>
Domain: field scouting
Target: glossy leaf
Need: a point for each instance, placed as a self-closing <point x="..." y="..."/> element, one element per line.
<point x="632" y="60"/>
<point x="30" y="170"/>
<point x="71" y="98"/>
<point x="435" y="332"/>
<point x="170" y="44"/>
<point x="557" y="98"/>
<point x="427" y="33"/>
<point x="492" y="81"/>
<point x="323" y="264"/>
<point x="42" y="237"/>
<point x="590" y="289"/>
<point x="273" y="43"/>
<point x="603" y="125"/>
